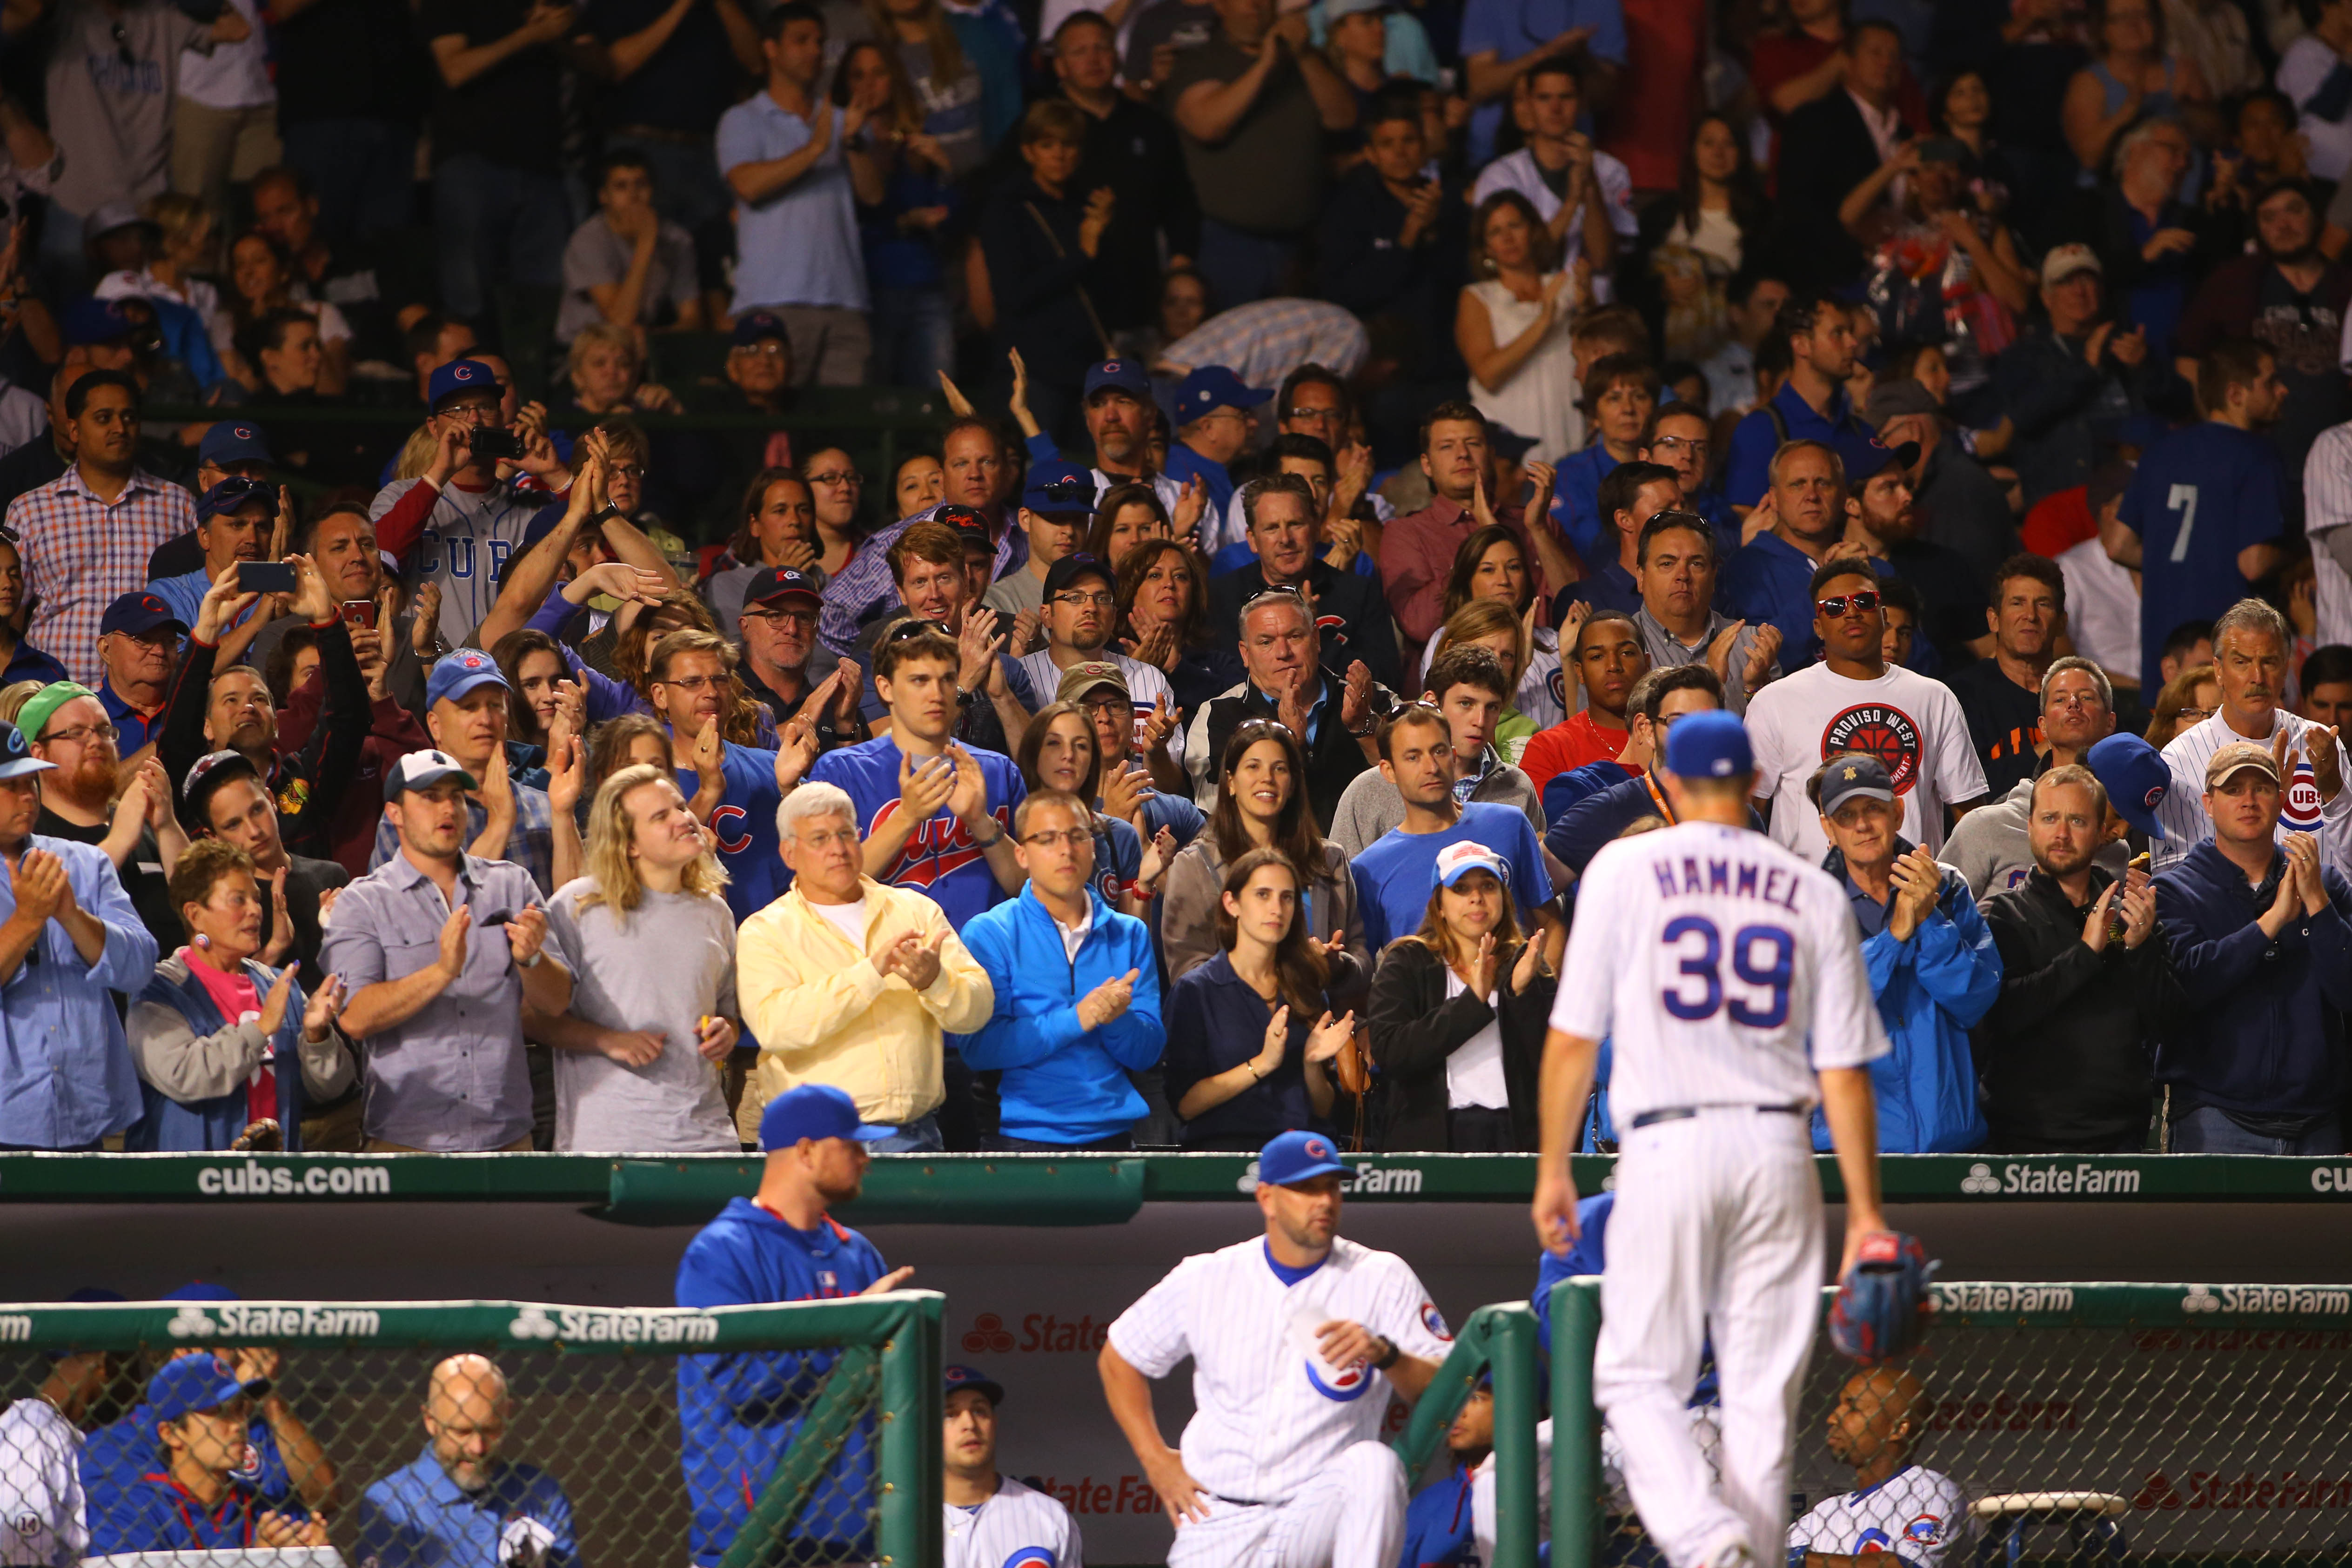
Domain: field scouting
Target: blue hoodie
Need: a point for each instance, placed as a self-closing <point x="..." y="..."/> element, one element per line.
<point x="738" y="1412"/>
<point x="1062" y="1083"/>
<point x="1931" y="991"/>
<point x="2265" y="1031"/>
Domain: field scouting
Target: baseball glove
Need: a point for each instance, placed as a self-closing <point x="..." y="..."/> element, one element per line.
<point x="1883" y="1301"/>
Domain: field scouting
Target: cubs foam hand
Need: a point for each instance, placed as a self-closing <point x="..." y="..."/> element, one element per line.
<point x="1883" y="1301"/>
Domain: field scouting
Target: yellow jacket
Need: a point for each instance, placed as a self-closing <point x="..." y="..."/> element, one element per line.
<point x="823" y="1014"/>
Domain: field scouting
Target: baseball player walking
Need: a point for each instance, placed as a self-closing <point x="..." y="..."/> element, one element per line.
<point x="1727" y="972"/>
<point x="1297" y="1340"/>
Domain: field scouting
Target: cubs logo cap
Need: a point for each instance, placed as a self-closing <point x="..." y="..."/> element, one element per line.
<point x="208" y="774"/>
<point x="136" y="612"/>
<point x="1297" y="1157"/>
<point x="1090" y="676"/>
<point x="234" y="441"/>
<point x="236" y="492"/>
<point x="1456" y="861"/>
<point x="190" y="1383"/>
<point x="422" y="770"/>
<point x="15" y="758"/>
<point x="2137" y="779"/>
<point x="814" y="1111"/>
<point x="758" y="326"/>
<point x="1851" y="775"/>
<point x="956" y="1379"/>
<point x="460" y="375"/>
<point x="1060" y="489"/>
<point x="460" y="673"/>
<point x="777" y="583"/>
<point x="1710" y="745"/>
<point x="1213" y="387"/>
<point x="2236" y="758"/>
<point x="1127" y="374"/>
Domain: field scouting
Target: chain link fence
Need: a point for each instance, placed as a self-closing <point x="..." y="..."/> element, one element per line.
<point x="2037" y="1423"/>
<point x="520" y="1435"/>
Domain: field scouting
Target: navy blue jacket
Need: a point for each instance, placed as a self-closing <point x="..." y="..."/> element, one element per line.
<point x="1216" y="1023"/>
<point x="2265" y="1031"/>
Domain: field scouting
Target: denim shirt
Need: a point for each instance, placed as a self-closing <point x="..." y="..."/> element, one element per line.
<point x="65" y="1073"/>
<point x="452" y="1078"/>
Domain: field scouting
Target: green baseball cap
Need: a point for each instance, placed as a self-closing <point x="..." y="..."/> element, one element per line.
<point x="42" y="705"/>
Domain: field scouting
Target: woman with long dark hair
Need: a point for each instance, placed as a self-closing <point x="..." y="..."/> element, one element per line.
<point x="1251" y="1035"/>
<point x="776" y="526"/>
<point x="1696" y="241"/>
<point x="1458" y="1013"/>
<point x="1163" y="593"/>
<point x="1262" y="805"/>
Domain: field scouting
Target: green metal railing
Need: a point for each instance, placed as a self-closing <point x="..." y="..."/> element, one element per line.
<point x="1500" y="1341"/>
<point x="593" y="1397"/>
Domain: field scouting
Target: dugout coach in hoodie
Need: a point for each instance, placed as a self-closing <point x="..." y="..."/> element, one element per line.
<point x="738" y="1412"/>
<point x="1078" y="993"/>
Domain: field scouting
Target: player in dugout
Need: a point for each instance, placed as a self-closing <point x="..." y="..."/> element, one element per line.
<point x="197" y="1500"/>
<point x="1896" y="1507"/>
<point x="461" y="1502"/>
<point x="993" y="1520"/>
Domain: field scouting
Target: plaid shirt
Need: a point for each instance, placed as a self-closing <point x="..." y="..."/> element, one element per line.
<point x="1266" y="341"/>
<point x="530" y="844"/>
<point x="866" y="583"/>
<point x="81" y="554"/>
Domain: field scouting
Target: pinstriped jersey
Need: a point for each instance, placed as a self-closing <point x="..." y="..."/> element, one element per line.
<point x="2182" y="807"/>
<point x="1269" y="1414"/>
<point x="1724" y="969"/>
<point x="1915" y="1514"/>
<point x="1018" y="1528"/>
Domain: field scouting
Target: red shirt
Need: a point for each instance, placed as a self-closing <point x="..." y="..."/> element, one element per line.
<point x="1650" y="123"/>
<point x="1567" y="746"/>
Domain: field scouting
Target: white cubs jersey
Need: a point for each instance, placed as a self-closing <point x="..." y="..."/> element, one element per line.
<point x="2181" y="807"/>
<point x="1724" y="969"/>
<point x="42" y="1522"/>
<point x="1914" y="1513"/>
<point x="1269" y="1414"/>
<point x="1018" y="1528"/>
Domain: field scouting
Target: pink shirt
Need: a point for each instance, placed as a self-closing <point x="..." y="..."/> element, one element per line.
<point x="238" y="1000"/>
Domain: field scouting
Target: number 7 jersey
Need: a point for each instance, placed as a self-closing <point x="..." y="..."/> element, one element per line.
<point x="1724" y="969"/>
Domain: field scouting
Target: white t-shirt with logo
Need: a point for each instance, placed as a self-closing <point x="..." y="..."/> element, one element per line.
<point x="1910" y="723"/>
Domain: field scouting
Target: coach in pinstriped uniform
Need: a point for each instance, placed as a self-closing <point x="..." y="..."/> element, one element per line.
<point x="2250" y="658"/>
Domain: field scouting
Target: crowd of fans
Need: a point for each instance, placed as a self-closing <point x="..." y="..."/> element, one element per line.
<point x="1408" y="412"/>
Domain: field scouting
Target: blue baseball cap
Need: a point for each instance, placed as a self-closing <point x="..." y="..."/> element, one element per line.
<point x="1059" y="488"/>
<point x="17" y="760"/>
<point x="460" y="375"/>
<point x="189" y="1384"/>
<point x="814" y="1111"/>
<point x="233" y="494"/>
<point x="461" y="672"/>
<point x="2135" y="776"/>
<point x="136" y="612"/>
<point x="91" y="319"/>
<point x="1456" y="861"/>
<point x="200" y="1290"/>
<point x="959" y="1378"/>
<point x="1211" y="388"/>
<point x="1297" y="1157"/>
<point x="758" y="326"/>
<point x="1127" y="374"/>
<point x="234" y="441"/>
<point x="1708" y="745"/>
<point x="1855" y="776"/>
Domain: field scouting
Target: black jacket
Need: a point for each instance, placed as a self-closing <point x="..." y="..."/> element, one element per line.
<point x="1416" y="1027"/>
<point x="2064" y="409"/>
<point x="1826" y="151"/>
<point x="1349" y="613"/>
<point x="1037" y="275"/>
<point x="1333" y="757"/>
<point x="2068" y="1052"/>
<point x="1362" y="267"/>
<point x="1134" y="150"/>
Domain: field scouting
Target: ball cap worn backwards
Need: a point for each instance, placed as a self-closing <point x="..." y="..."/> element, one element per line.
<point x="1297" y="1157"/>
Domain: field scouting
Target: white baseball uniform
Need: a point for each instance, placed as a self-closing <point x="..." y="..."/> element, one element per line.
<point x="2182" y="808"/>
<point x="42" y="1514"/>
<point x="1914" y="1513"/>
<point x="1020" y="1527"/>
<point x="1286" y="1445"/>
<point x="1720" y="953"/>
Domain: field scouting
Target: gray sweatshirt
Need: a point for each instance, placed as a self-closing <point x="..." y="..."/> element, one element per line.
<point x="1991" y="849"/>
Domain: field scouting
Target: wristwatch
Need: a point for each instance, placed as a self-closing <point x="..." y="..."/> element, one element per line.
<point x="1388" y="1356"/>
<point x="995" y="836"/>
<point x="611" y="511"/>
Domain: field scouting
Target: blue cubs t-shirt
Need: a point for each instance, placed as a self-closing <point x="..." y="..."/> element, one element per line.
<point x="744" y="824"/>
<point x="1396" y="871"/>
<point x="938" y="857"/>
<point x="2198" y="498"/>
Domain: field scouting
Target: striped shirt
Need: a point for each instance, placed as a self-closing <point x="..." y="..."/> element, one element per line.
<point x="459" y="539"/>
<point x="1266" y="340"/>
<point x="865" y="585"/>
<point x="2183" y="809"/>
<point x="2327" y="506"/>
<point x="81" y="553"/>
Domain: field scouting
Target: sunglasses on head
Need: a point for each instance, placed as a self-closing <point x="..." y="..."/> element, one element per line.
<point x="909" y="627"/>
<point x="1862" y="599"/>
<point x="1078" y="494"/>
